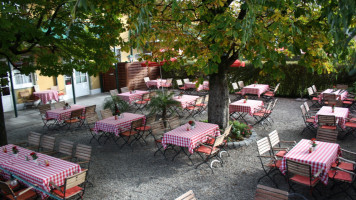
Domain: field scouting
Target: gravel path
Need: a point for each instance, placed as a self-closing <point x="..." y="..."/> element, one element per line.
<point x="124" y="174"/>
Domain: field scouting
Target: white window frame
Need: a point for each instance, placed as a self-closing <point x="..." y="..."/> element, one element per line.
<point x="22" y="85"/>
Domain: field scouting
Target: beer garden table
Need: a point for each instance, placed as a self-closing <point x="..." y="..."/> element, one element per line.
<point x="132" y="96"/>
<point x="47" y="95"/>
<point x="242" y="108"/>
<point x="256" y="89"/>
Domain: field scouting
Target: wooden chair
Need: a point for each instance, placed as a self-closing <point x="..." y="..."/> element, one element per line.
<point x="157" y="129"/>
<point x="210" y="152"/>
<point x="90" y="109"/>
<point x="187" y="196"/>
<point x="341" y="177"/>
<point x="237" y="91"/>
<point x="168" y="83"/>
<point x="114" y="92"/>
<point x="106" y="113"/>
<point x="146" y="79"/>
<point x="193" y="109"/>
<point x="91" y="119"/>
<point x="275" y="143"/>
<point x="71" y="186"/>
<point x="223" y="145"/>
<point x="147" y="127"/>
<point x="180" y="85"/>
<point x="26" y="193"/>
<point x="186" y="80"/>
<point x="124" y="89"/>
<point x="326" y="135"/>
<point x="300" y="173"/>
<point x="131" y="133"/>
<point x="315" y="90"/>
<point x="327" y="97"/>
<point x="336" y="103"/>
<point x="47" y="144"/>
<point x="173" y="122"/>
<point x="58" y="105"/>
<point x="60" y="92"/>
<point x="268" y="193"/>
<point x="308" y="121"/>
<point x="65" y="148"/>
<point x="346" y="161"/>
<point x="33" y="141"/>
<point x="47" y="122"/>
<point x="82" y="156"/>
<point x="140" y="105"/>
<point x="327" y="122"/>
<point x="36" y="88"/>
<point x="75" y="118"/>
<point x="271" y="94"/>
<point x="269" y="163"/>
<point x="310" y="112"/>
<point x="342" y="87"/>
<point x="26" y="98"/>
<point x="313" y="98"/>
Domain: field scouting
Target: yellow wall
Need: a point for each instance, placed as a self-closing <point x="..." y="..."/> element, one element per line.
<point x="95" y="82"/>
<point x="45" y="82"/>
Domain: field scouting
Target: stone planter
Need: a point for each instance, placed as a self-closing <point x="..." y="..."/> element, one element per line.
<point x="245" y="142"/>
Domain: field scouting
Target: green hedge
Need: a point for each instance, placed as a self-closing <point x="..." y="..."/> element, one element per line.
<point x="294" y="78"/>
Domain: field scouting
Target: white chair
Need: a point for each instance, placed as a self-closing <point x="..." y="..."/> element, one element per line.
<point x="186" y="80"/>
<point x="146" y="79"/>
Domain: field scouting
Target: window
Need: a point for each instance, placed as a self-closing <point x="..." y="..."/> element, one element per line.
<point x="4" y="84"/>
<point x="21" y="80"/>
<point x="80" y="77"/>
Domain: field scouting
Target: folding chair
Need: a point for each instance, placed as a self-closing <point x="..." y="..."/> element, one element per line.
<point x="313" y="98"/>
<point x="60" y="92"/>
<point x="210" y="152"/>
<point x="168" y="83"/>
<point x="326" y="135"/>
<point x="186" y="80"/>
<point x="47" y="144"/>
<point x="223" y="145"/>
<point x="270" y="94"/>
<point x="275" y="143"/>
<point x="89" y="110"/>
<point x="33" y="141"/>
<point x="75" y="118"/>
<point x="310" y="112"/>
<point x="193" y="109"/>
<point x="262" y="115"/>
<point x="82" y="157"/>
<point x="268" y="193"/>
<point x="269" y="163"/>
<point x="26" y="193"/>
<point x="309" y="122"/>
<point x="71" y="186"/>
<point x="173" y="122"/>
<point x="241" y="84"/>
<point x="27" y="98"/>
<point x="300" y="173"/>
<point x="91" y="119"/>
<point x="114" y="92"/>
<point x="327" y="97"/>
<point x="157" y="129"/>
<point x="140" y="105"/>
<point x="47" y="121"/>
<point x="237" y="91"/>
<point x="58" y="105"/>
<point x="350" y="127"/>
<point x="187" y="196"/>
<point x="106" y="113"/>
<point x="180" y="85"/>
<point x="130" y="133"/>
<point x="203" y="105"/>
<point x="65" y="148"/>
<point x="315" y="90"/>
<point x="124" y="89"/>
<point x="146" y="127"/>
<point x="327" y="122"/>
<point x="347" y="161"/>
<point x="341" y="177"/>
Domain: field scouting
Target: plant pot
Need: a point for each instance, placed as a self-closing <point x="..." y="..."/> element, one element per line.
<point x="35" y="161"/>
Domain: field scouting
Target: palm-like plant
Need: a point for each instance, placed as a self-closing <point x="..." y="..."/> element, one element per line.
<point x="161" y="103"/>
<point x="114" y="103"/>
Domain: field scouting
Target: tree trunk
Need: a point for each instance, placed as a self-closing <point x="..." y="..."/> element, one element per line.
<point x="218" y="105"/>
<point x="3" y="135"/>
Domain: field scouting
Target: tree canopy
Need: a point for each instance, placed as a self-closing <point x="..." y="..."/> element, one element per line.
<point x="51" y="37"/>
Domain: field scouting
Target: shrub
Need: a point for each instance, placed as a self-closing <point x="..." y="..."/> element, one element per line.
<point x="239" y="130"/>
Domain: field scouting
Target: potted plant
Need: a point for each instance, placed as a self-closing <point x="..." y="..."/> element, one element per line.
<point x="239" y="131"/>
<point x="161" y="103"/>
<point x="116" y="105"/>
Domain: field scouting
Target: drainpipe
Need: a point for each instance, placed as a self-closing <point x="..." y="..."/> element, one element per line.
<point x="131" y="50"/>
<point x="116" y="73"/>
<point x="12" y="90"/>
<point x="73" y="90"/>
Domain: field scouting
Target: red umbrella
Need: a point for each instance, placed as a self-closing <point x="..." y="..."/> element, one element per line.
<point x="238" y="63"/>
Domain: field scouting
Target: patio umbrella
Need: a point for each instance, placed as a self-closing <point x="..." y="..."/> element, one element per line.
<point x="238" y="63"/>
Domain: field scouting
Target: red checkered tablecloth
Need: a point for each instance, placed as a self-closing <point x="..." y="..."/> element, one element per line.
<point x="38" y="173"/>
<point x="183" y="138"/>
<point x="130" y="97"/>
<point x="340" y="113"/>
<point x="322" y="158"/>
<point x="249" y="107"/>
<point x="111" y="125"/>
<point x="61" y="114"/>
<point x="158" y="83"/>
<point x="47" y="95"/>
<point x="339" y="94"/>
<point x="186" y="100"/>
<point x="256" y="89"/>
<point x="204" y="86"/>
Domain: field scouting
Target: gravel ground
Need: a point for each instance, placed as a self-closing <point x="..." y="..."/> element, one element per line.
<point x="125" y="174"/>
